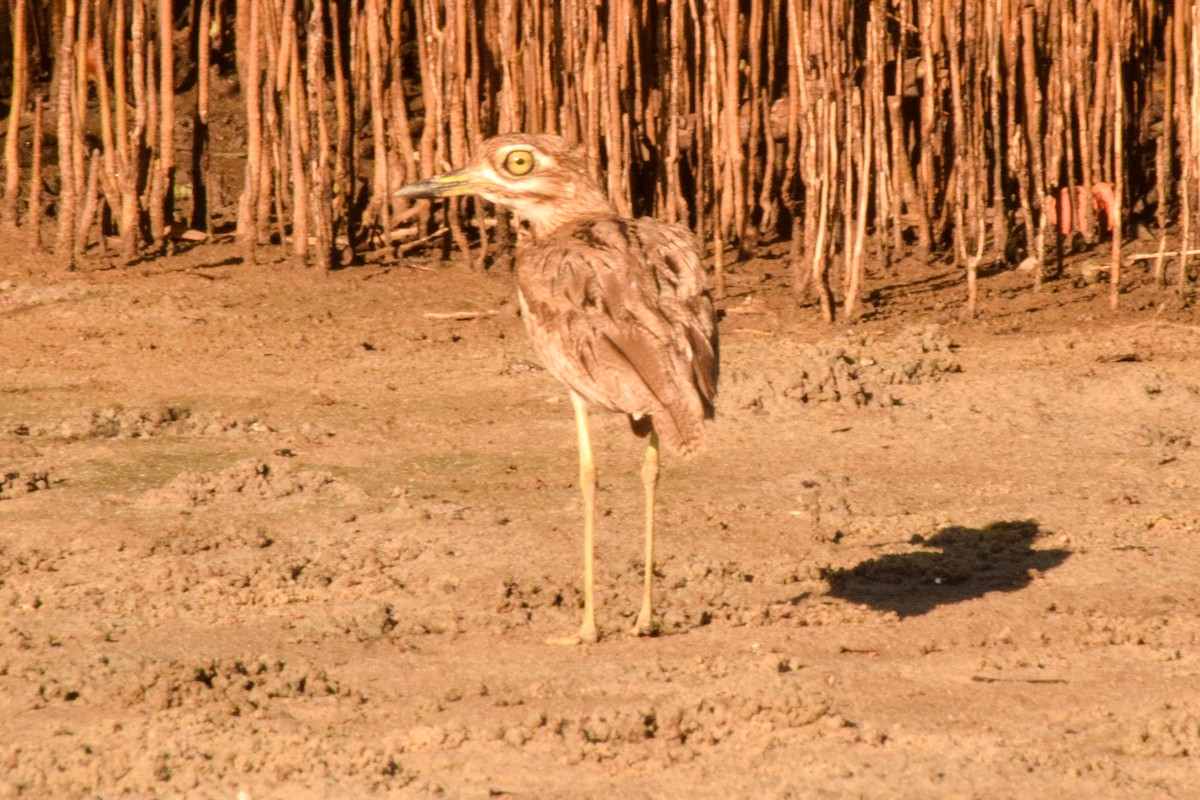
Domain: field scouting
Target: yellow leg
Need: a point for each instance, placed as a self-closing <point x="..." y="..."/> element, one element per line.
<point x="587" y="482"/>
<point x="645" y="620"/>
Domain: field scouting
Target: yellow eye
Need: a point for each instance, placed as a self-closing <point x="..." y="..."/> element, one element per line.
<point x="518" y="162"/>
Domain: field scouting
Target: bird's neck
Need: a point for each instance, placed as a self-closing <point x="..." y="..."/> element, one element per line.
<point x="586" y="202"/>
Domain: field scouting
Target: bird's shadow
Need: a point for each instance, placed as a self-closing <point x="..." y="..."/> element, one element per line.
<point x="960" y="564"/>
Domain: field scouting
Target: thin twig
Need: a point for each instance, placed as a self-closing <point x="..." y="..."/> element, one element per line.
<point x="460" y="315"/>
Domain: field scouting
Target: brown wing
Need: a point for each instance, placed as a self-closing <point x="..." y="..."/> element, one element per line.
<point x="619" y="312"/>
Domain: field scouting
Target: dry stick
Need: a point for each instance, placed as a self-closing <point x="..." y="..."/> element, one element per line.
<point x="1192" y="151"/>
<point x="1101" y="93"/>
<point x="250" y="80"/>
<point x="850" y="134"/>
<point x="826" y="114"/>
<point x="963" y="150"/>
<point x="1159" y="254"/>
<point x="1053" y="151"/>
<point x="1015" y="131"/>
<point x="977" y="184"/>
<point x="131" y="147"/>
<point x="120" y="98"/>
<point x="1066" y="88"/>
<point x="576" y="64"/>
<point x="885" y="198"/>
<point x="34" y="219"/>
<point x="455" y="68"/>
<point x="79" y="99"/>
<point x="473" y="122"/>
<point x="755" y="41"/>
<point x="506" y="22"/>
<point x="322" y="216"/>
<point x="722" y="198"/>
<point x="593" y="76"/>
<point x="1162" y="155"/>
<point x="300" y="139"/>
<point x="1086" y="164"/>
<point x="610" y="114"/>
<point x="1114" y="275"/>
<point x="201" y="160"/>
<point x="65" y="245"/>
<point x="902" y="179"/>
<point x="768" y="208"/>
<point x="791" y="159"/>
<point x="460" y="315"/>
<point x="676" y="206"/>
<point x="767" y="197"/>
<point x="701" y="142"/>
<point x="120" y="173"/>
<point x="629" y="90"/>
<point x="273" y="180"/>
<point x="864" y="193"/>
<point x="734" y="159"/>
<point x="12" y="167"/>
<point x="977" y="177"/>
<point x="109" y="175"/>
<point x="926" y="179"/>
<point x="992" y="25"/>
<point x="1033" y="135"/>
<point x="1183" y="134"/>
<point x="542" y="66"/>
<point x="359" y="71"/>
<point x="166" y="83"/>
<point x="586" y="25"/>
<point x="509" y="109"/>
<point x="400" y="130"/>
<point x="156" y="132"/>
<point x="620" y="136"/>
<point x="1191" y="112"/>
<point x="91" y="192"/>
<point x="914" y="194"/>
<point x="546" y="100"/>
<point x="643" y="113"/>
<point x="345" y="210"/>
<point x="720" y="221"/>
<point x="425" y="68"/>
<point x="380" y="185"/>
<point x="437" y="110"/>
<point x="154" y="188"/>
<point x="811" y="175"/>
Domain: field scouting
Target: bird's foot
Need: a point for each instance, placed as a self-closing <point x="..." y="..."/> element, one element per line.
<point x="587" y="635"/>
<point x="645" y="624"/>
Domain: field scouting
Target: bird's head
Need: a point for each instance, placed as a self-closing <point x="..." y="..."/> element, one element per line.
<point x="544" y="180"/>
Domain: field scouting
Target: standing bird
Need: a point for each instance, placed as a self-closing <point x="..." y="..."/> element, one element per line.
<point x="618" y="310"/>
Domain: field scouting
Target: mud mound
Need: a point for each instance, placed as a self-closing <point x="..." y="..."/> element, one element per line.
<point x="658" y="733"/>
<point x="19" y="296"/>
<point x="854" y="369"/>
<point x="14" y="483"/>
<point x="247" y="481"/>
<point x="161" y="755"/>
<point x="118" y="422"/>
<point x="1170" y="732"/>
<point x="237" y="685"/>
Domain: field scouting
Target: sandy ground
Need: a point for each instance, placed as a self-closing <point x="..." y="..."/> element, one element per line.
<point x="269" y="533"/>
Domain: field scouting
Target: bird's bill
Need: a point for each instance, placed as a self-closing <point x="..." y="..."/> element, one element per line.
<point x="448" y="184"/>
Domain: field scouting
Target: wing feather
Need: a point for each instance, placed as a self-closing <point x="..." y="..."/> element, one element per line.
<point x="620" y="312"/>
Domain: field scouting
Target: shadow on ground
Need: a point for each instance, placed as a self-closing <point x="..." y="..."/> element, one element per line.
<point x="962" y="564"/>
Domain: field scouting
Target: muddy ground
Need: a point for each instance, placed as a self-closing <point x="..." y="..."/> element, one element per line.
<point x="270" y="533"/>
